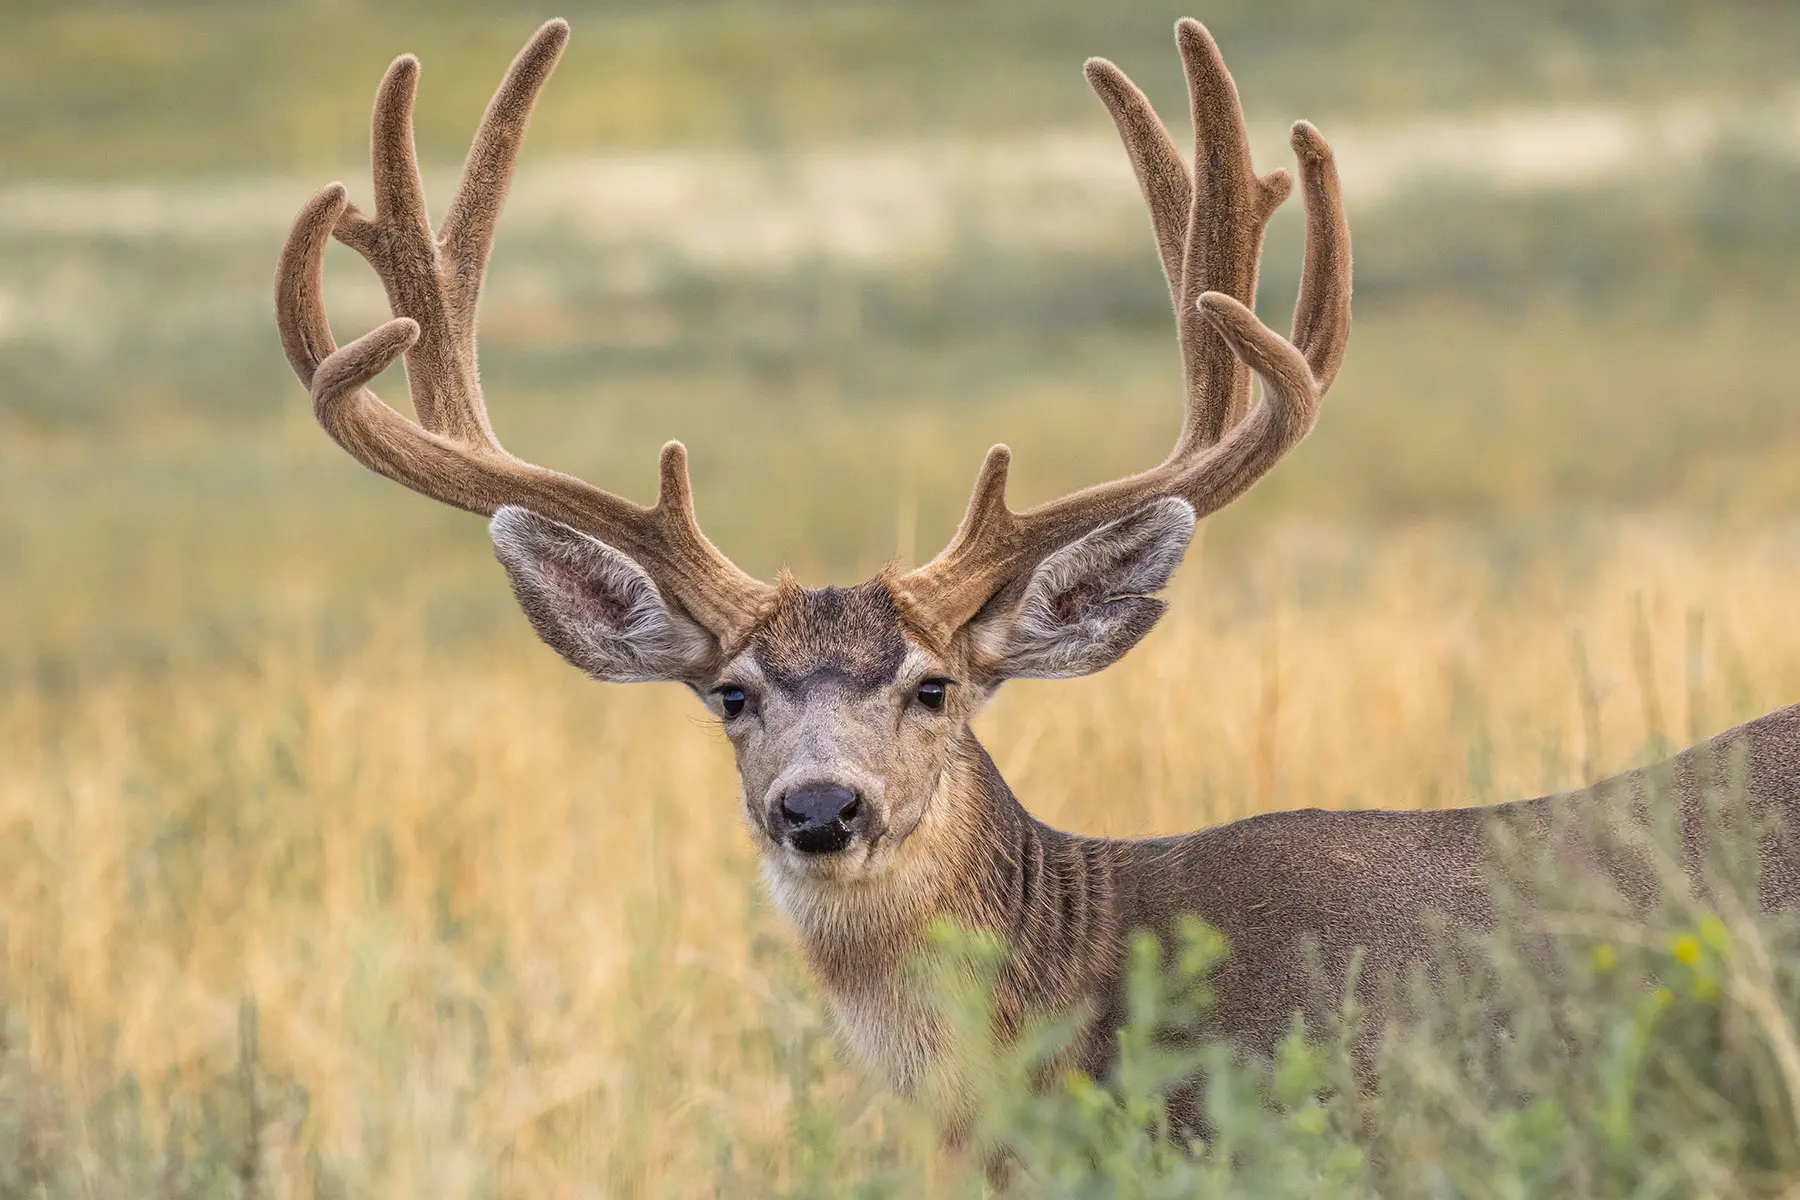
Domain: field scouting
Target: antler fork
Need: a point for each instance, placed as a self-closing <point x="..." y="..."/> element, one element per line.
<point x="433" y="284"/>
<point x="1209" y="228"/>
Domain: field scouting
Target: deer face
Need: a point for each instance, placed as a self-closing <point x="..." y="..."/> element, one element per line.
<point x="842" y="720"/>
<point x="843" y="716"/>
<point x="846" y="707"/>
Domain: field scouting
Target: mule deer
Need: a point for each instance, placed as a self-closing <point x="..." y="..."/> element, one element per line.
<point x="875" y="808"/>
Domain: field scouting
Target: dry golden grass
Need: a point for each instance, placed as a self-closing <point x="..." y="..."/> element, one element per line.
<point x="502" y="924"/>
<point x="269" y="731"/>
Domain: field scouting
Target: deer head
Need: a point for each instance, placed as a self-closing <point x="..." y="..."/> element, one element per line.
<point x="848" y="708"/>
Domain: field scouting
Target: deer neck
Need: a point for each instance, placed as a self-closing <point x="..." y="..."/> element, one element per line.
<point x="979" y="859"/>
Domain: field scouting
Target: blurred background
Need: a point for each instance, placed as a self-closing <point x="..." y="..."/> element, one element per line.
<point x="314" y="860"/>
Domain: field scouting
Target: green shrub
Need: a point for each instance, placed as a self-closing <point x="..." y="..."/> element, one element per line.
<point x="1577" y="1049"/>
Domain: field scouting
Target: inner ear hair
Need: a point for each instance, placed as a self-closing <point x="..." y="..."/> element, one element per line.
<point x="1087" y="603"/>
<point x="1132" y="556"/>
<point x="595" y="605"/>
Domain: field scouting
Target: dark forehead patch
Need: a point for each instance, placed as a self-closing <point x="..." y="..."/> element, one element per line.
<point x="852" y="634"/>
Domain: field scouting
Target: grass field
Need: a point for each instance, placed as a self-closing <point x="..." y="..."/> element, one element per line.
<point x="318" y="875"/>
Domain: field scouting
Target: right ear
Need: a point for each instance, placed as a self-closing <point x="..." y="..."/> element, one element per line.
<point x="595" y="606"/>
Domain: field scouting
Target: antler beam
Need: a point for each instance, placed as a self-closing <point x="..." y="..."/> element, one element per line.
<point x="433" y="284"/>
<point x="1209" y="230"/>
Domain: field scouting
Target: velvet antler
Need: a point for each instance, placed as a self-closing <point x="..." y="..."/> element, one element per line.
<point x="1209" y="227"/>
<point x="433" y="284"/>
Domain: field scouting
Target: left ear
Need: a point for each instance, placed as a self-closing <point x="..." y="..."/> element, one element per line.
<point x="1089" y="602"/>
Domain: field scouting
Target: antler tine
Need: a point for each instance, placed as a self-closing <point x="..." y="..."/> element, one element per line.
<point x="438" y="281"/>
<point x="1208" y="222"/>
<point x="1322" y="310"/>
<point x="1232" y="206"/>
<point x="299" y="278"/>
<point x="1217" y="243"/>
<point x="433" y="285"/>
<point x="468" y="234"/>
<point x="1162" y="176"/>
<point x="397" y="242"/>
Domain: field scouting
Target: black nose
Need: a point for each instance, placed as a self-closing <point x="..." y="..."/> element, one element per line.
<point x="819" y="818"/>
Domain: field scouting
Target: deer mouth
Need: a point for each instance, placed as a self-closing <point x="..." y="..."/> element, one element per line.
<point x="822" y="839"/>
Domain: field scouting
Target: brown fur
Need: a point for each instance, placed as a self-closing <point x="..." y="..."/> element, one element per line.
<point x="1342" y="881"/>
<point x="852" y="634"/>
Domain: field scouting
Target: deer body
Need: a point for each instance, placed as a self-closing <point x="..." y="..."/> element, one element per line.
<point x="1349" y="882"/>
<point x="848" y="709"/>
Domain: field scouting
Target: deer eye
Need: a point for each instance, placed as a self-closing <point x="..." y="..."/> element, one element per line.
<point x="931" y="693"/>
<point x="732" y="700"/>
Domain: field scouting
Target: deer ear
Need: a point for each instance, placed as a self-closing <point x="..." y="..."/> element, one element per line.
<point x="1089" y="602"/>
<point x="596" y="606"/>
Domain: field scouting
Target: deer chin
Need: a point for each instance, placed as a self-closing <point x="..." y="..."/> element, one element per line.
<point x="860" y="892"/>
<point x="821" y="894"/>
